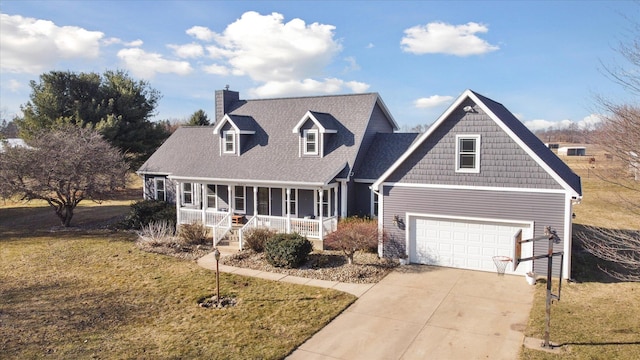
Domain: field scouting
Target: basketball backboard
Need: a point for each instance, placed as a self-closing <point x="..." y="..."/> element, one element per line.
<point x="516" y="254"/>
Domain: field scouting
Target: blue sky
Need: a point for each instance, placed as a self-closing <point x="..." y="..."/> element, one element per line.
<point x="542" y="59"/>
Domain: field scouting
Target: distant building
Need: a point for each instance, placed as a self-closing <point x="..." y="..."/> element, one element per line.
<point x="12" y="142"/>
<point x="572" y="151"/>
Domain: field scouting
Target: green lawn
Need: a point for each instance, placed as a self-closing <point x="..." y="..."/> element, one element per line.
<point x="597" y="317"/>
<point x="79" y="294"/>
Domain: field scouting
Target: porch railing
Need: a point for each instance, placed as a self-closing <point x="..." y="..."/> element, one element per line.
<point x="221" y="228"/>
<point x="306" y="227"/>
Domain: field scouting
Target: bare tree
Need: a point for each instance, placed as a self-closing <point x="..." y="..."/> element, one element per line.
<point x="619" y="247"/>
<point x="63" y="167"/>
<point x="619" y="135"/>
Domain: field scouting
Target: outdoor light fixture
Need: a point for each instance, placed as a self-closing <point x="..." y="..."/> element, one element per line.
<point x="468" y="108"/>
<point x="396" y="220"/>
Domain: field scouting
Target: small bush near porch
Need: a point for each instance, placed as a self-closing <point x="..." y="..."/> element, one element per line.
<point x="354" y="234"/>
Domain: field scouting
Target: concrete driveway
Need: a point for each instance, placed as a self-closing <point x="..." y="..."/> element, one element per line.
<point x="427" y="312"/>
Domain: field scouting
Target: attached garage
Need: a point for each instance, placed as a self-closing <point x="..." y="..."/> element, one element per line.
<point x="464" y="243"/>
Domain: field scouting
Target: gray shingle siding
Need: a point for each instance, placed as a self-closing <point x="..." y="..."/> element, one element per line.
<point x="503" y="163"/>
<point x="544" y="209"/>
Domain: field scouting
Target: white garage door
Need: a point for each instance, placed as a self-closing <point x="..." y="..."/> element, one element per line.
<point x="463" y="243"/>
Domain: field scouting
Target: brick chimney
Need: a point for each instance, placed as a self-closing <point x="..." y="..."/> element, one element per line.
<point x="224" y="100"/>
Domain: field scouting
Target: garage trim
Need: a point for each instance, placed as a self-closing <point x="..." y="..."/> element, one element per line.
<point x="527" y="233"/>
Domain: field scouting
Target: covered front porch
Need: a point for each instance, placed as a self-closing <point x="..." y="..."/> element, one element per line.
<point x="309" y="211"/>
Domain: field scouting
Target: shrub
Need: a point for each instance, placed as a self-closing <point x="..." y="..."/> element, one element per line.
<point x="145" y="212"/>
<point x="287" y="250"/>
<point x="193" y="234"/>
<point x="256" y="238"/>
<point x="157" y="233"/>
<point x="354" y="234"/>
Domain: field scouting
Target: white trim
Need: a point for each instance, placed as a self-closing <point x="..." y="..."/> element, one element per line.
<point x="470" y="187"/>
<point x="469" y="94"/>
<point x="226" y="118"/>
<point x="343" y="198"/>
<point x="568" y="237"/>
<point x="476" y="153"/>
<point x="309" y="116"/>
<point x="305" y="142"/>
<point x="528" y="234"/>
<point x="366" y="181"/>
<point x="301" y="185"/>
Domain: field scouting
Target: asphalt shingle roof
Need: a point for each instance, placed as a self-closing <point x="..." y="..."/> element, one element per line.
<point x="385" y="149"/>
<point x="272" y="153"/>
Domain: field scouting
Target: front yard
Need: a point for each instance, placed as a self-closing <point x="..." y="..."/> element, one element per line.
<point x="91" y="293"/>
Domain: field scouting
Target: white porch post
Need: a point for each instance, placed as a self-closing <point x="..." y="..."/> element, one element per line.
<point x="230" y="198"/>
<point x="205" y="203"/>
<point x="335" y="201"/>
<point x="343" y="198"/>
<point x="288" y="208"/>
<point x="321" y="203"/>
<point x="178" y="200"/>
<point x="255" y="200"/>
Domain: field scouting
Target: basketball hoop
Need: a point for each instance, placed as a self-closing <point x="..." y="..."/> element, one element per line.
<point x="501" y="263"/>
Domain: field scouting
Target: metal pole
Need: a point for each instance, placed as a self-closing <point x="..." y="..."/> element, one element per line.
<point x="217" y="283"/>
<point x="547" y="328"/>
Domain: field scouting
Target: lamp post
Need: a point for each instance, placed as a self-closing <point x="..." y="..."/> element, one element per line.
<point x="216" y="254"/>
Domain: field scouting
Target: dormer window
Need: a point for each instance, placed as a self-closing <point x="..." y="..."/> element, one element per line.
<point x="229" y="146"/>
<point x="310" y="142"/>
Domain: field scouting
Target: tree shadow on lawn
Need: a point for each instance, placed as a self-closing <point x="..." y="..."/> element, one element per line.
<point x="41" y="221"/>
<point x="586" y="267"/>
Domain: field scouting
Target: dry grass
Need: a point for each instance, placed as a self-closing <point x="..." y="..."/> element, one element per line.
<point x="597" y="317"/>
<point x="91" y="293"/>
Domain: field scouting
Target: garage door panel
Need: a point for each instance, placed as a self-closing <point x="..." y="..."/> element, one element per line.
<point x="458" y="243"/>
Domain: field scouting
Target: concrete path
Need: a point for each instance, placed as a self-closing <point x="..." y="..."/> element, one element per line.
<point x="418" y="312"/>
<point x="425" y="312"/>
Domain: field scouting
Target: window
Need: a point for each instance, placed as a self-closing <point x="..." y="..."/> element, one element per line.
<point x="468" y="153"/>
<point x="212" y="199"/>
<point x="229" y="142"/>
<point x="160" y="192"/>
<point x="323" y="208"/>
<point x="374" y="213"/>
<point x="310" y="142"/>
<point x="239" y="198"/>
<point x="293" y="203"/>
<point x="187" y="193"/>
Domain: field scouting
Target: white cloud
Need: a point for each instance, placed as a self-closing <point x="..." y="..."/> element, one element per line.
<point x="370" y="46"/>
<point x="31" y="45"/>
<point x="352" y="65"/>
<point x="307" y="86"/>
<point x="186" y="51"/>
<point x="14" y="85"/>
<point x="216" y="69"/>
<point x="439" y="37"/>
<point x="146" y="65"/>
<point x="432" y="101"/>
<point x="201" y="33"/>
<point x="588" y="122"/>
<point x="114" y="40"/>
<point x="266" y="49"/>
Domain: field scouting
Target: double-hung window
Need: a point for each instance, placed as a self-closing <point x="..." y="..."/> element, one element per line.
<point x="187" y="193"/>
<point x="159" y="189"/>
<point x="293" y="203"/>
<point x="211" y="196"/>
<point x="310" y="145"/>
<point x="229" y="144"/>
<point x="239" y="199"/>
<point x="468" y="153"/>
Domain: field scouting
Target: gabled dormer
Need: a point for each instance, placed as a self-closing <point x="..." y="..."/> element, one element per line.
<point x="233" y="131"/>
<point x="312" y="131"/>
